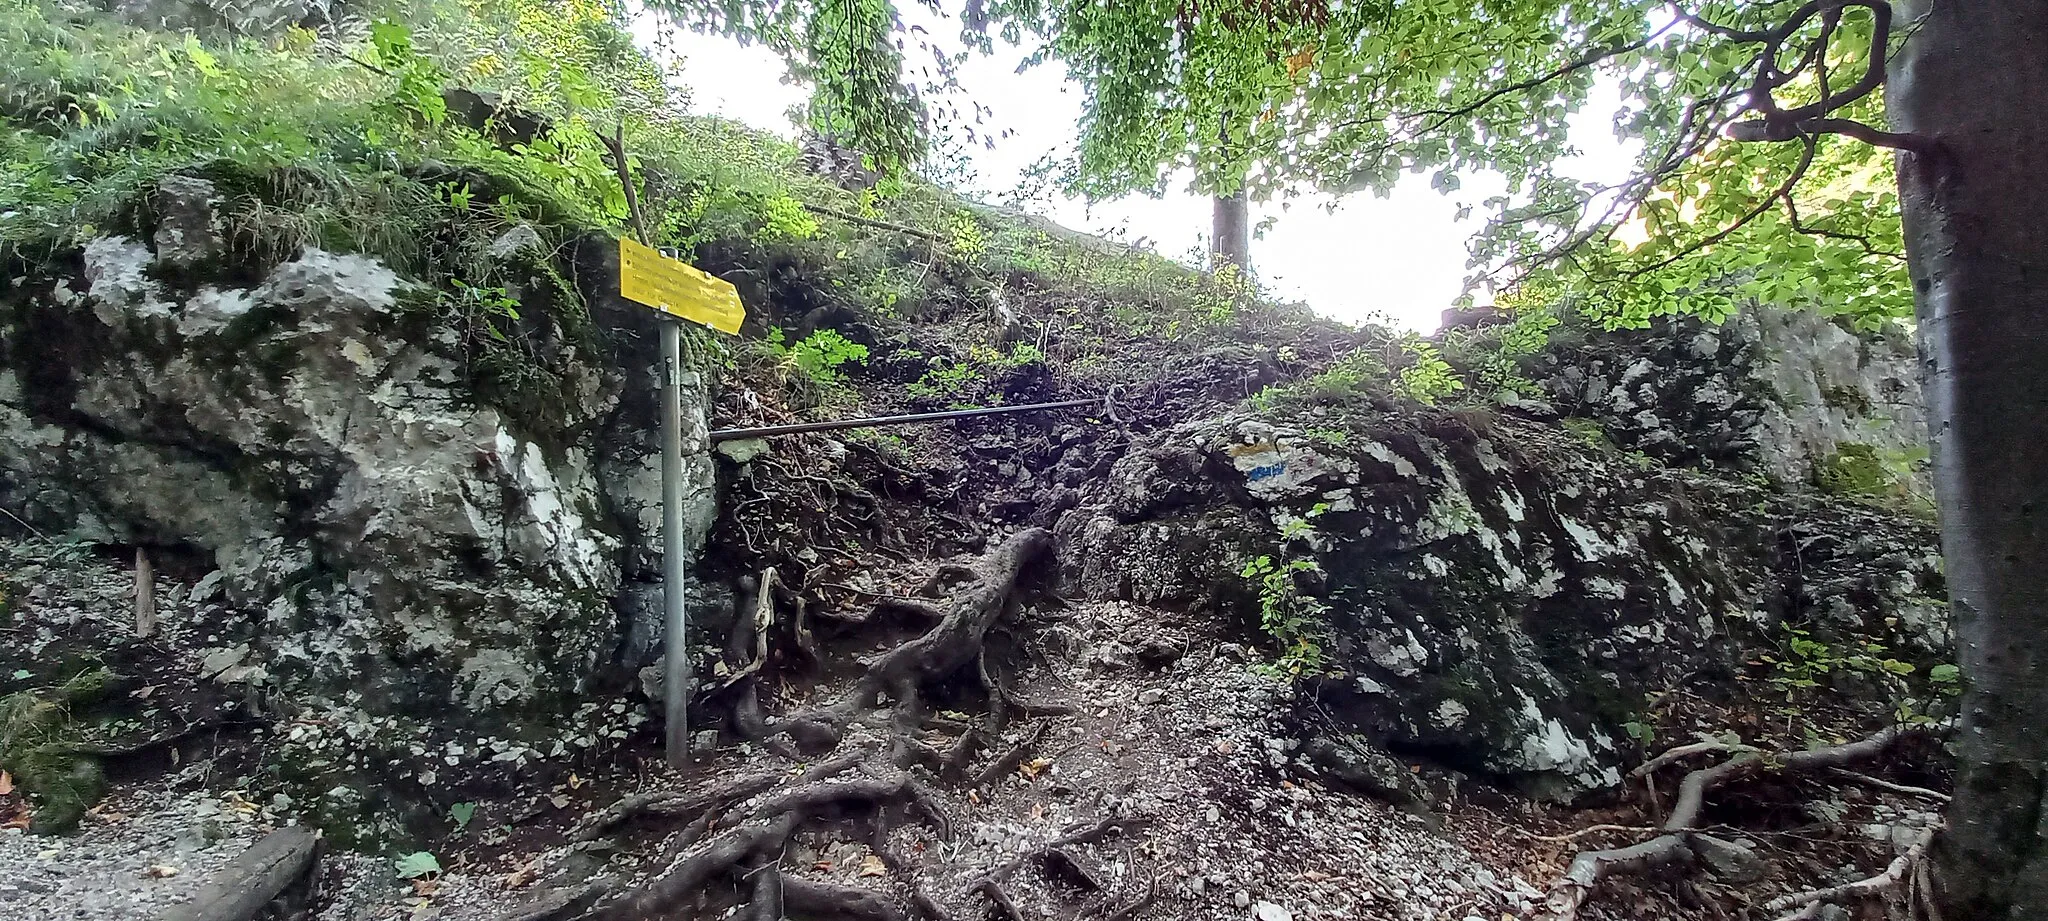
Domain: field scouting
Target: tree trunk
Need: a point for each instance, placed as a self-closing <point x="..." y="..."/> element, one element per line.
<point x="1230" y="239"/>
<point x="1973" y="75"/>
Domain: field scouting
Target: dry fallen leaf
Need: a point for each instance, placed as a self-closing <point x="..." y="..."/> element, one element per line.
<point x="1315" y="876"/>
<point x="425" y="888"/>
<point x="160" y="871"/>
<point x="822" y="866"/>
<point x="974" y="797"/>
<point x="575" y="781"/>
<point x="873" y="866"/>
<point x="1034" y="767"/>
<point x="1038" y="810"/>
<point x="19" y="818"/>
<point x="6" y="783"/>
<point x="524" y="876"/>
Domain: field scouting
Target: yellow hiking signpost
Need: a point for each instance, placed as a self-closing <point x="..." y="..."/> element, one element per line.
<point x="678" y="289"/>
<point x="683" y="292"/>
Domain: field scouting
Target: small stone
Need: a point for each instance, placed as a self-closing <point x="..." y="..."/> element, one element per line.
<point x="1241" y="899"/>
<point x="220" y="660"/>
<point x="188" y="231"/>
<point x="1150" y="696"/>
<point x="1267" y="911"/>
<point x="519" y="239"/>
<point x="742" y="450"/>
<point x="1729" y="861"/>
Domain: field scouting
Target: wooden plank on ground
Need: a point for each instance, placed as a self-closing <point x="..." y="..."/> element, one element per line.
<point x="261" y="873"/>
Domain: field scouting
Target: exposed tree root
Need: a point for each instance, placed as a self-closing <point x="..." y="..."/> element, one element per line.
<point x="952" y="644"/>
<point x="1674" y="847"/>
<point x="281" y="860"/>
<point x="767" y="903"/>
<point x="926" y="906"/>
<point x="1896" y="877"/>
<point x="1140" y="903"/>
<point x="1935" y="796"/>
<point x="998" y="897"/>
<point x="810" y="897"/>
<point x="760" y="838"/>
<point x="735" y="851"/>
<point x="557" y="904"/>
<point x="673" y="803"/>
<point x="1011" y="759"/>
<point x="1081" y="871"/>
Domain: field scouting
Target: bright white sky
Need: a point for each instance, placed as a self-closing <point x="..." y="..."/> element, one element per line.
<point x="1402" y="256"/>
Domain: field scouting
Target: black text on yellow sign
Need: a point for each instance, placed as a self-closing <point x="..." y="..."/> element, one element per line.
<point x="678" y="289"/>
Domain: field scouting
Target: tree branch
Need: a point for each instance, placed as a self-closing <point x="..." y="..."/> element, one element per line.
<point x="1784" y="189"/>
<point x="1445" y="115"/>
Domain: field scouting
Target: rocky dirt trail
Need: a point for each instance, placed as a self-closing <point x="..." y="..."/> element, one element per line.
<point x="1172" y="769"/>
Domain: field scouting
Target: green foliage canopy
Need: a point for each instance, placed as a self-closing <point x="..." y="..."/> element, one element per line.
<point x="1283" y="98"/>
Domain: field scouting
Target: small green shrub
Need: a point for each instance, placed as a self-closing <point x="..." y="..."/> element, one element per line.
<point x="966" y="239"/>
<point x="1861" y="471"/>
<point x="1354" y="376"/>
<point x="969" y="382"/>
<point x="820" y="356"/>
<point x="784" y="220"/>
<point x="1801" y="662"/>
<point x="1428" y="379"/>
<point x="1589" y="431"/>
<point x="813" y="368"/>
<point x="1294" y="620"/>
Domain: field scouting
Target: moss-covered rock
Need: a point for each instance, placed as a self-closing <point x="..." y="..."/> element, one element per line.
<point x="1501" y="595"/>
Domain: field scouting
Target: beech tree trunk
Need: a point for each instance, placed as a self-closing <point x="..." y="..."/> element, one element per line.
<point x="1973" y="75"/>
<point x="1230" y="237"/>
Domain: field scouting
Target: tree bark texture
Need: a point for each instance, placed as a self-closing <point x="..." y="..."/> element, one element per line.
<point x="1973" y="76"/>
<point x="1230" y="236"/>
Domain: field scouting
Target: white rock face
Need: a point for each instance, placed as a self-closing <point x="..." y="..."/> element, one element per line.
<point x="404" y="536"/>
<point x="1834" y="388"/>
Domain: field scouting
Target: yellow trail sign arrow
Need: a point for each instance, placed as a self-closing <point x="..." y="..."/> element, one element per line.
<point x="678" y="289"/>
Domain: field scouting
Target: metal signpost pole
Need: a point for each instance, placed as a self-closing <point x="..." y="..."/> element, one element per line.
<point x="675" y="673"/>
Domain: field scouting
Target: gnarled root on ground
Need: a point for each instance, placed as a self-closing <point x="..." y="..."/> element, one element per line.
<point x="743" y="825"/>
<point x="954" y="643"/>
<point x="760" y="837"/>
<point x="1674" y="847"/>
<point x="1907" y="875"/>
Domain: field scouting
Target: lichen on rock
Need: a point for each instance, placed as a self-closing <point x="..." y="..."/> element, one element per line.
<point x="392" y="532"/>
<point x="1501" y="597"/>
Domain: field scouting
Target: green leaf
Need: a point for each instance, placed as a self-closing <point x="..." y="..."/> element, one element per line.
<point x="416" y="865"/>
<point x="1944" y="674"/>
<point x="461" y="813"/>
